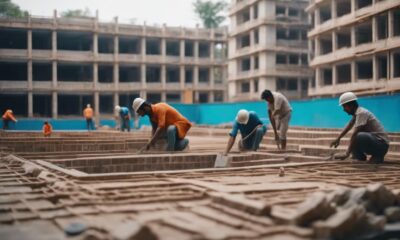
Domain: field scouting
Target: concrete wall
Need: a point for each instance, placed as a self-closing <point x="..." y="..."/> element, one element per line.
<point x="310" y="113"/>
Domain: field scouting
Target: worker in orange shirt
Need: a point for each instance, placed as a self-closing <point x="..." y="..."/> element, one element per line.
<point x="88" y="114"/>
<point x="7" y="117"/>
<point x="47" y="129"/>
<point x="166" y="121"/>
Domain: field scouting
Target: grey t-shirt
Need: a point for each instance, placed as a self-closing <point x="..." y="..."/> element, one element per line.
<point x="370" y="123"/>
<point x="281" y="105"/>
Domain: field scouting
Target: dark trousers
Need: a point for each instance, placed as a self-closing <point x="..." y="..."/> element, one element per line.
<point x="5" y="124"/>
<point x="368" y="144"/>
<point x="125" y="124"/>
<point x="89" y="124"/>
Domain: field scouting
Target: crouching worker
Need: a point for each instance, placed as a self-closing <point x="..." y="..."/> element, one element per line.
<point x="166" y="122"/>
<point x="124" y="117"/>
<point x="369" y="137"/>
<point x="251" y="128"/>
<point x="47" y="129"/>
<point x="8" y="116"/>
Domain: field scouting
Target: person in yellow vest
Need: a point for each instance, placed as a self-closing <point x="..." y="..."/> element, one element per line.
<point x="88" y="114"/>
<point x="47" y="129"/>
<point x="7" y="117"/>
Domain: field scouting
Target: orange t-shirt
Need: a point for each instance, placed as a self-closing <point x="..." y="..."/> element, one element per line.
<point x="88" y="113"/>
<point x="8" y="115"/>
<point x="47" y="129"/>
<point x="164" y="115"/>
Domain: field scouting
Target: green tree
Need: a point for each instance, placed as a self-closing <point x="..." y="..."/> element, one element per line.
<point x="210" y="13"/>
<point x="9" y="9"/>
<point x="77" y="13"/>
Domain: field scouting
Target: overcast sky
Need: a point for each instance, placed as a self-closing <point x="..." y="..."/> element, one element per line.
<point x="171" y="12"/>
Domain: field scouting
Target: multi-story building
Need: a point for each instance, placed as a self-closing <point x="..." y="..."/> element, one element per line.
<point x="51" y="67"/>
<point x="268" y="48"/>
<point x="356" y="46"/>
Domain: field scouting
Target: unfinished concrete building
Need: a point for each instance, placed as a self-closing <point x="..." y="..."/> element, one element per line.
<point x="268" y="49"/>
<point x="356" y="46"/>
<point x="52" y="67"/>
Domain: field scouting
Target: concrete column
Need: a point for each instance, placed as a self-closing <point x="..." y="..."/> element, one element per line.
<point x="333" y="9"/>
<point x="375" y="69"/>
<point x="353" y="72"/>
<point x="353" y="36"/>
<point x="317" y="17"/>
<point x="317" y="47"/>
<point x="334" y="41"/>
<point x="95" y="75"/>
<point x="116" y="99"/>
<point x="317" y="78"/>
<point x="391" y="62"/>
<point x="143" y="75"/>
<point x="196" y="50"/>
<point x="54" y="44"/>
<point x="30" y="104"/>
<point x="29" y="74"/>
<point x="374" y="29"/>
<point x="163" y="47"/>
<point x="95" y="45"/>
<point x="182" y="50"/>
<point x="29" y="43"/>
<point x="54" y="105"/>
<point x="164" y="76"/>
<point x="334" y="75"/>
<point x="251" y="87"/>
<point x="211" y="77"/>
<point x="163" y="96"/>
<point x="196" y="76"/>
<point x="353" y="6"/>
<point x="54" y="75"/>
<point x="182" y="77"/>
<point x="116" y="75"/>
<point x="212" y="44"/>
<point x="390" y="24"/>
<point x="97" y="107"/>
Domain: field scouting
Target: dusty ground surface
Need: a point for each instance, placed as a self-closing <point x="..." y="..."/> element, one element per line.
<point x="80" y="185"/>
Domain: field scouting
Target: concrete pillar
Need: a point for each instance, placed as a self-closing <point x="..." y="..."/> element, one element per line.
<point x="163" y="96"/>
<point x="54" y="44"/>
<point x="29" y="44"/>
<point x="353" y="72"/>
<point x="30" y="104"/>
<point x="391" y="62"/>
<point x="116" y="75"/>
<point x="54" y="105"/>
<point x="95" y="75"/>
<point x="212" y="44"/>
<point x="251" y="87"/>
<point x="334" y="75"/>
<point x="54" y="75"/>
<point x="353" y="36"/>
<point x="97" y="107"/>
<point x="334" y="41"/>
<point x="374" y="29"/>
<point x="182" y="77"/>
<point x="196" y="76"/>
<point x="211" y="77"/>
<point x="390" y="24"/>
<point x="353" y="6"/>
<point x="95" y="45"/>
<point x="375" y="68"/>
<point x="333" y="9"/>
<point x="143" y="75"/>
<point x="164" y="76"/>
<point x="317" y="17"/>
<point x="182" y="50"/>
<point x="317" y="79"/>
<point x="317" y="47"/>
<point x="196" y="50"/>
<point x="163" y="47"/>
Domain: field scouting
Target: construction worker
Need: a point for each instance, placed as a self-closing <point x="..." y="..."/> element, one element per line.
<point x="47" y="129"/>
<point x="124" y="116"/>
<point x="251" y="128"/>
<point x="166" y="122"/>
<point x="88" y="114"/>
<point x="279" y="113"/>
<point x="7" y="117"/>
<point x="368" y="138"/>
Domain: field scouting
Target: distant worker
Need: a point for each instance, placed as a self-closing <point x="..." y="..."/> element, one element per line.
<point x="279" y="113"/>
<point x="88" y="114"/>
<point x="369" y="136"/>
<point x="124" y="116"/>
<point x="251" y="128"/>
<point x="166" y="122"/>
<point x="7" y="117"/>
<point x="47" y="129"/>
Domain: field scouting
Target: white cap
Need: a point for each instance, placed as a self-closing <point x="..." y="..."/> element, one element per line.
<point x="88" y="105"/>
<point x="242" y="116"/>
<point x="137" y="103"/>
<point x="347" y="97"/>
<point x="117" y="108"/>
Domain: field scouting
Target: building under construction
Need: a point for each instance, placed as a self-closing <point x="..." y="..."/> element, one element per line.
<point x="268" y="49"/>
<point x="52" y="67"/>
<point x="356" y="46"/>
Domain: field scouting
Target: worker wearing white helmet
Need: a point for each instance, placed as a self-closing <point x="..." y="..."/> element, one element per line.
<point x="7" y="117"/>
<point x="251" y="128"/>
<point x="368" y="138"/>
<point x="166" y="122"/>
<point x="124" y="116"/>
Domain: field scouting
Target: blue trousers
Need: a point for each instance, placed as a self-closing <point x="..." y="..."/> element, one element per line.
<point x="253" y="141"/>
<point x="174" y="143"/>
<point x="125" y="125"/>
<point x="368" y="144"/>
<point x="89" y="124"/>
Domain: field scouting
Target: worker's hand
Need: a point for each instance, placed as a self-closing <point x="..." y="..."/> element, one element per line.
<point x="335" y="143"/>
<point x="341" y="156"/>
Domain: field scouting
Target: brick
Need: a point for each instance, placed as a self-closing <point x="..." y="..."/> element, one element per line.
<point x="315" y="207"/>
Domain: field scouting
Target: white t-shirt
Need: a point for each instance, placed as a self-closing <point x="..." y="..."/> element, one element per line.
<point x="370" y="123"/>
<point x="281" y="105"/>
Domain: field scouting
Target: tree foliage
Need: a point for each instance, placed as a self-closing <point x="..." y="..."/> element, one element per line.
<point x="77" y="13"/>
<point x="210" y="12"/>
<point x="9" y="9"/>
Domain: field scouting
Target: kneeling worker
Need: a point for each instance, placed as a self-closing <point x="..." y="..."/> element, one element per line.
<point x="368" y="136"/>
<point x="166" y="121"/>
<point x="124" y="116"/>
<point x="251" y="128"/>
<point x="47" y="129"/>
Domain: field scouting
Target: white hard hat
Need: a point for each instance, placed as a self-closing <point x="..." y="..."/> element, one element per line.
<point x="88" y="105"/>
<point x="137" y="103"/>
<point x="347" y="97"/>
<point x="242" y="116"/>
<point x="117" y="108"/>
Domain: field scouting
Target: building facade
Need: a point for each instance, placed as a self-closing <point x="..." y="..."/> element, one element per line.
<point x="52" y="67"/>
<point x="268" y="49"/>
<point x="356" y="46"/>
